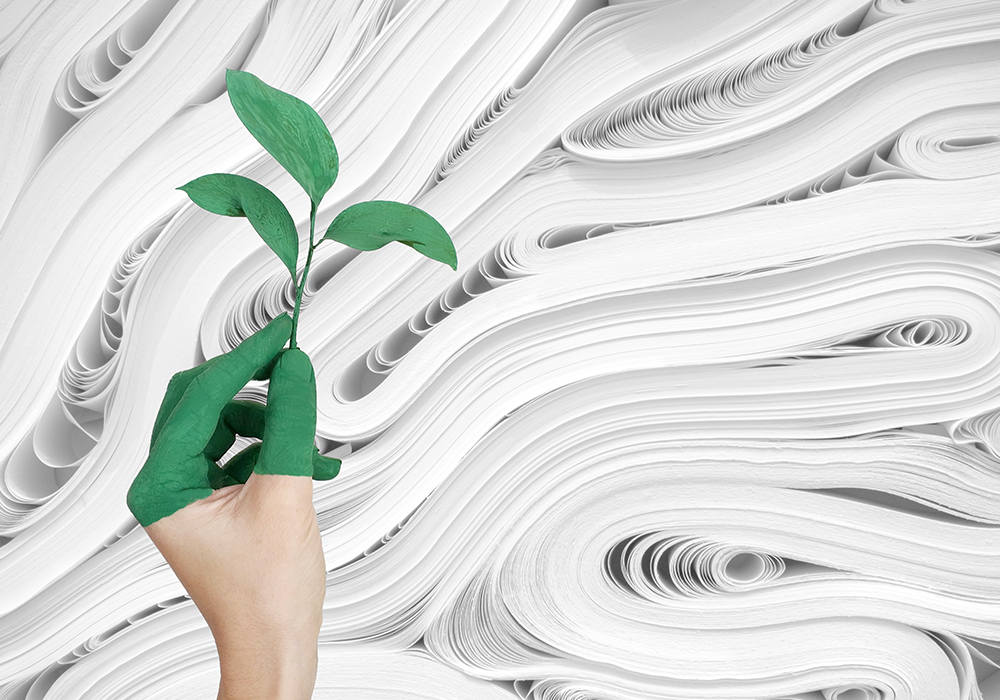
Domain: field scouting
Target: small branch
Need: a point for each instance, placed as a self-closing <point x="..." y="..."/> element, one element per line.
<point x="305" y="273"/>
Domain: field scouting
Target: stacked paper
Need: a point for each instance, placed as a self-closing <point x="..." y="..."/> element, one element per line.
<point x="710" y="409"/>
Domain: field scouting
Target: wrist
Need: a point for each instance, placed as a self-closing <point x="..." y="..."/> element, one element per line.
<point x="278" y="672"/>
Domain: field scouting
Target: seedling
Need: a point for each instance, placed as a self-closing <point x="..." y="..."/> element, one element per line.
<point x="293" y="132"/>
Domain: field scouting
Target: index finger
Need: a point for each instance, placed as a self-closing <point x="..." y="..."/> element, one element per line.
<point x="194" y="418"/>
<point x="175" y="390"/>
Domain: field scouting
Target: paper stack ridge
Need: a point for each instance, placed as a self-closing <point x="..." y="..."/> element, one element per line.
<point x="710" y="409"/>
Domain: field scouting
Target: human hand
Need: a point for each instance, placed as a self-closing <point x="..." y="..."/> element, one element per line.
<point x="244" y="540"/>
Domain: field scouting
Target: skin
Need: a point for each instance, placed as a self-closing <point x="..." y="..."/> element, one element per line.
<point x="243" y="541"/>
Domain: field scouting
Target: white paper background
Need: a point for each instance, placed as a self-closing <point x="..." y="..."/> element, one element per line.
<point x="709" y="409"/>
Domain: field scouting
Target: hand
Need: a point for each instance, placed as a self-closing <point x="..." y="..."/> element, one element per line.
<point x="243" y="540"/>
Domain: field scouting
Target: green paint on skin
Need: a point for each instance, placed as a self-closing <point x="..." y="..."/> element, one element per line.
<point x="198" y="422"/>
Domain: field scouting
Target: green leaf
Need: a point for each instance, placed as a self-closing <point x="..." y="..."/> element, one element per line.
<point x="370" y="225"/>
<point x="288" y="128"/>
<point x="235" y="195"/>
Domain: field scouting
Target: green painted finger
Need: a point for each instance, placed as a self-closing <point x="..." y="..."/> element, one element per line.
<point x="219" y="478"/>
<point x="289" y="418"/>
<point x="195" y="417"/>
<point x="240" y="467"/>
<point x="324" y="468"/>
<point x="179" y="383"/>
<point x="265" y="371"/>
<point x="244" y="418"/>
<point x="175" y="389"/>
<point x="242" y="464"/>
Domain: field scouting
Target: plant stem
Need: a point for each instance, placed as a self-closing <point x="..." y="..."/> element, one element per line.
<point x="305" y="273"/>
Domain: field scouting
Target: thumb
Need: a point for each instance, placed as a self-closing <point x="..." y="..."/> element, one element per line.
<point x="289" y="417"/>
